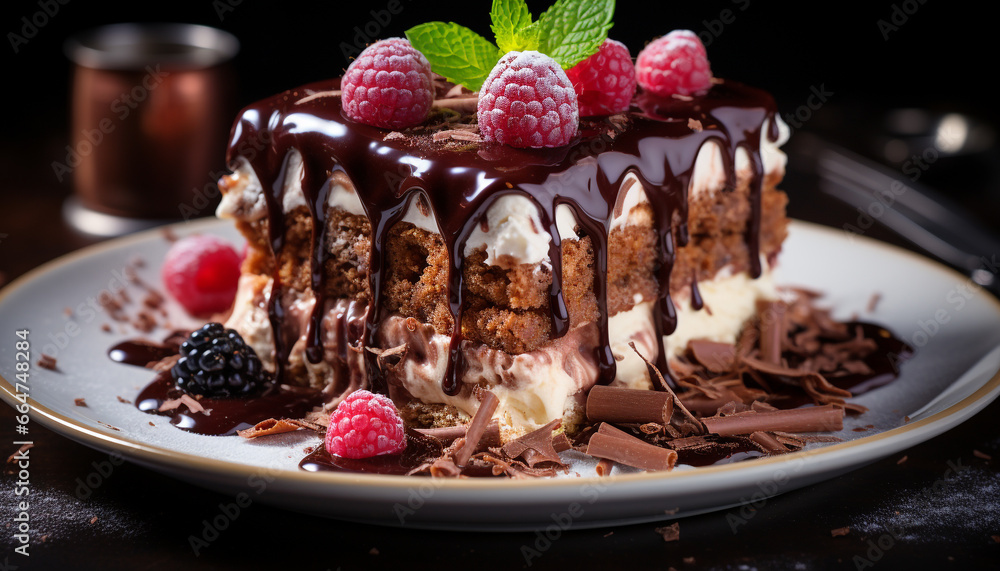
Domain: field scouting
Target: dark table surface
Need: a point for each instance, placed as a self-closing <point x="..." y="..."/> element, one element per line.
<point x="936" y="510"/>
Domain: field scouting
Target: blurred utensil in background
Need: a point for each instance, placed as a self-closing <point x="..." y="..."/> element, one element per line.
<point x="926" y="218"/>
<point x="151" y="106"/>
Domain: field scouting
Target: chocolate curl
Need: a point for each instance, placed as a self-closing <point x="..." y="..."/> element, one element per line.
<point x="387" y="359"/>
<point x="654" y="373"/>
<point x="714" y="356"/>
<point x="613" y="404"/>
<point x="448" y="434"/>
<point x="536" y="446"/>
<point x="487" y="406"/>
<point x="185" y="399"/>
<point x="706" y="406"/>
<point x="277" y="426"/>
<point x="460" y="104"/>
<point x="768" y="443"/>
<point x="561" y="442"/>
<point x="773" y="330"/>
<point x="613" y="444"/>
<point x="809" y="419"/>
<point x="604" y="467"/>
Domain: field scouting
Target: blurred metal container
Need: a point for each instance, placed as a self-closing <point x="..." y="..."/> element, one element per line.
<point x="151" y="106"/>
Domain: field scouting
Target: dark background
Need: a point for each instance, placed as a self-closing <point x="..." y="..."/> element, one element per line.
<point x="942" y="57"/>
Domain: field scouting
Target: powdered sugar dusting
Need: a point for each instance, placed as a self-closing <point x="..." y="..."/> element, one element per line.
<point x="56" y="513"/>
<point x="964" y="499"/>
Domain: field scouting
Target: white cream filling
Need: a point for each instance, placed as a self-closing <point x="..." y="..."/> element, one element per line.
<point x="249" y="316"/>
<point x="730" y="300"/>
<point x="246" y="200"/>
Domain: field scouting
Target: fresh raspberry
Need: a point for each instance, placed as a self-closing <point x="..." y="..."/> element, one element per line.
<point x="604" y="82"/>
<point x="201" y="272"/>
<point x="674" y="64"/>
<point x="388" y="86"/>
<point x="365" y="425"/>
<point x="527" y="101"/>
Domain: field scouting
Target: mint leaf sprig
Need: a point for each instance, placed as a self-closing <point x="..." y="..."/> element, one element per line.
<point x="568" y="32"/>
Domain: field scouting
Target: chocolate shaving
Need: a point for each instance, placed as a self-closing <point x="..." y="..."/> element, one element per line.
<point x="716" y="357"/>
<point x="24" y="448"/>
<point x="186" y="400"/>
<point x="604" y="467"/>
<point x="460" y="104"/>
<point x="810" y="419"/>
<point x="47" y="362"/>
<point x="773" y="330"/>
<point x="387" y="359"/>
<point x="449" y="434"/>
<point x="671" y="532"/>
<point x="457" y="135"/>
<point x="688" y="421"/>
<point x="277" y="426"/>
<point x="767" y="443"/>
<point x="80" y="402"/>
<point x="487" y="406"/>
<point x="981" y="455"/>
<point x="535" y="446"/>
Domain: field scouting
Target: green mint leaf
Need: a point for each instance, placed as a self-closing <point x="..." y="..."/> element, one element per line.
<point x="512" y="26"/>
<point x="456" y="52"/>
<point x="573" y="30"/>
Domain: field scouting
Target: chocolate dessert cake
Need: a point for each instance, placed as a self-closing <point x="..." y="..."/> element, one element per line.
<point x="429" y="262"/>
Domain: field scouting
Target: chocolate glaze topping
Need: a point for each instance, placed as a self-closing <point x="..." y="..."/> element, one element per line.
<point x="653" y="141"/>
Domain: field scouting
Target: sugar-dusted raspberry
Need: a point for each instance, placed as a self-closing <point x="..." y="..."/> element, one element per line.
<point x="604" y="82"/>
<point x="365" y="425"/>
<point x="674" y="64"/>
<point x="388" y="85"/>
<point x="201" y="272"/>
<point x="527" y="101"/>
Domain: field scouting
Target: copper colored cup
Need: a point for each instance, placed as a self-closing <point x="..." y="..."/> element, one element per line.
<point x="152" y="106"/>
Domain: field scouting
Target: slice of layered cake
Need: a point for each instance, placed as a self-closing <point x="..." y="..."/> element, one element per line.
<point x="529" y="236"/>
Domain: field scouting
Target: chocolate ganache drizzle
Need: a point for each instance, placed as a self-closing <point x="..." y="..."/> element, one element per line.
<point x="658" y="141"/>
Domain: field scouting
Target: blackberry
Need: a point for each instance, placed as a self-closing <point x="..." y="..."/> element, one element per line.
<point x="216" y="362"/>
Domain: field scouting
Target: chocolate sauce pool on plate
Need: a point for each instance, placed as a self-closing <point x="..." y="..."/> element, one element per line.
<point x="140" y="352"/>
<point x="419" y="448"/>
<point x="225" y="416"/>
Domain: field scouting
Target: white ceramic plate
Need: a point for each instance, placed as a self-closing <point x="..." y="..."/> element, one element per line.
<point x="954" y="374"/>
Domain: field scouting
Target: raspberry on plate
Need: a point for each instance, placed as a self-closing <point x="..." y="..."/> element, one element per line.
<point x="604" y="82"/>
<point x="364" y="425"/>
<point x="528" y="101"/>
<point x="674" y="64"/>
<point x="388" y="85"/>
<point x="216" y="362"/>
<point x="201" y="272"/>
